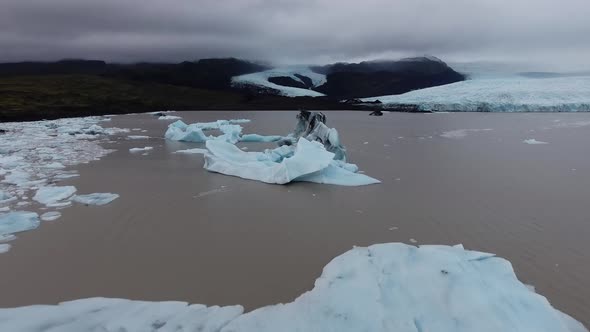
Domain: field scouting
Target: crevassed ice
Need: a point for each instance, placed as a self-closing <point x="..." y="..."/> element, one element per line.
<point x="501" y="94"/>
<point x="385" y="287"/>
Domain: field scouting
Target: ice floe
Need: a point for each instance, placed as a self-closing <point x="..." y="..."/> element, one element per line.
<point x="461" y="133"/>
<point x="260" y="79"/>
<point x="17" y="221"/>
<point x="384" y="287"/>
<point x="95" y="199"/>
<point x="501" y="94"/>
<point x="53" y="194"/>
<point x="169" y="117"/>
<point x="533" y="141"/>
<point x="34" y="159"/>
<point x="145" y="148"/>
<point x="137" y="137"/>
<point x="50" y="216"/>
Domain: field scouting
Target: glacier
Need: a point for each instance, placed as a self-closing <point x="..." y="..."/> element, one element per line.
<point x="383" y="287"/>
<point x="509" y="93"/>
<point x="260" y="79"/>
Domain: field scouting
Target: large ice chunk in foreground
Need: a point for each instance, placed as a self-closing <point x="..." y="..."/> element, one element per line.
<point x="381" y="288"/>
<point x="306" y="161"/>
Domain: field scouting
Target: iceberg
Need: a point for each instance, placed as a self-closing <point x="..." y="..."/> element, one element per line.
<point x="305" y="161"/>
<point x="95" y="199"/>
<point x="50" y="216"/>
<point x="18" y="221"/>
<point x="185" y="133"/>
<point x="381" y="288"/>
<point x="55" y="194"/>
<point x="146" y="148"/>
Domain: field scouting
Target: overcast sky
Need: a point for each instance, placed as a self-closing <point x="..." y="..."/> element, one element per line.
<point x="292" y="31"/>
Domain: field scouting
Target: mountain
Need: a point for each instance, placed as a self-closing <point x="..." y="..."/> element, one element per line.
<point x="377" y="78"/>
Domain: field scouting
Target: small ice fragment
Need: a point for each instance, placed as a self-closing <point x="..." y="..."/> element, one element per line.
<point x="147" y="148"/>
<point x="366" y="143"/>
<point x="137" y="137"/>
<point x="245" y="148"/>
<point x="50" y="216"/>
<point x="192" y="151"/>
<point x="393" y="228"/>
<point x="169" y="117"/>
<point x="95" y="199"/>
<point x="533" y="141"/>
<point x="4" y="247"/>
<point x="50" y="195"/>
<point x="413" y="241"/>
<point x="398" y="179"/>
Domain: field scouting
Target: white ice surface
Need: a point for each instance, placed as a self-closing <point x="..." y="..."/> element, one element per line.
<point x="35" y="156"/>
<point x="95" y="199"/>
<point x="307" y="161"/>
<point x="53" y="194"/>
<point x="50" y="216"/>
<point x="146" y="148"/>
<point x="533" y="141"/>
<point x="461" y="133"/>
<point x="503" y="94"/>
<point x="381" y="288"/>
<point x="192" y="151"/>
<point x="260" y="79"/>
<point x="169" y="117"/>
<point x="18" y="221"/>
<point x="259" y="138"/>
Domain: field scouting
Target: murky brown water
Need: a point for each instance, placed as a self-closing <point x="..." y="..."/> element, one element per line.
<point x="257" y="244"/>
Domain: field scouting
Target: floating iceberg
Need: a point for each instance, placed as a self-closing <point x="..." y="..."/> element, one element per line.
<point x="500" y="94"/>
<point x="95" y="199"/>
<point x="146" y="148"/>
<point x="260" y="79"/>
<point x="55" y="194"/>
<point x="385" y="287"/>
<point x="533" y="141"/>
<point x="180" y="131"/>
<point x="305" y="161"/>
<point x="50" y="216"/>
<point x="18" y="221"/>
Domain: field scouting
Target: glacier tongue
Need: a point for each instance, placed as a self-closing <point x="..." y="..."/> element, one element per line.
<point x="384" y="287"/>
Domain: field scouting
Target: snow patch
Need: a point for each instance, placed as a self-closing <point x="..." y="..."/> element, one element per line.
<point x="260" y="79"/>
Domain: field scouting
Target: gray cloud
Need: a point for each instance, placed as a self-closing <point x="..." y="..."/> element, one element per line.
<point x="295" y="31"/>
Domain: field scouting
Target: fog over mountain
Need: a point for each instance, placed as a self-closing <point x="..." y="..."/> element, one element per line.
<point x="307" y="31"/>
